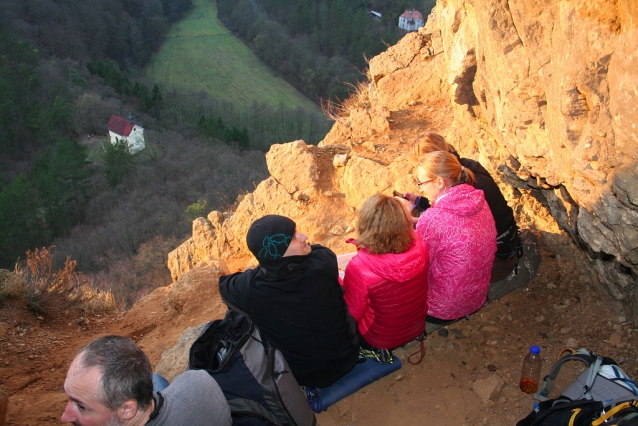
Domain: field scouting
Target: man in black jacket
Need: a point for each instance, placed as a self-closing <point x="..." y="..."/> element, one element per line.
<point x="295" y="299"/>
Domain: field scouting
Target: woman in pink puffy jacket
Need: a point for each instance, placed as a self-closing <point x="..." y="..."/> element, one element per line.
<point x="385" y="284"/>
<point x="460" y="235"/>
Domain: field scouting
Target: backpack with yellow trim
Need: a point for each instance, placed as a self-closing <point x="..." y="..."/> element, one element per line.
<point x="603" y="394"/>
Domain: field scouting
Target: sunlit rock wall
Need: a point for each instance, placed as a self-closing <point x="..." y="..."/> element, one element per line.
<point x="547" y="93"/>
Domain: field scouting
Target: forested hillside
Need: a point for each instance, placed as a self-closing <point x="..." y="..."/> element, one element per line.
<point x="44" y="46"/>
<point x="116" y="214"/>
<point x="65" y="68"/>
<point x="67" y="65"/>
<point x="127" y="31"/>
<point x="318" y="45"/>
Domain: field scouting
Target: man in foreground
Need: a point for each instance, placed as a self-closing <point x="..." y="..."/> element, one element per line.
<point x="295" y="300"/>
<point x="109" y="383"/>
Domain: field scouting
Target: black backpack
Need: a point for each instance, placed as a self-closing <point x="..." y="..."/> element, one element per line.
<point x="602" y="394"/>
<point x="582" y="412"/>
<point x="254" y="376"/>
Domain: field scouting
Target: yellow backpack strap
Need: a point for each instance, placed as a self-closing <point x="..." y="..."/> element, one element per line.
<point x="606" y="416"/>
<point x="576" y="411"/>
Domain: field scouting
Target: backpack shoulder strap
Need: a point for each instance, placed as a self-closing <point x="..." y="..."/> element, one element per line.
<point x="631" y="406"/>
<point x="582" y="355"/>
<point x="591" y="376"/>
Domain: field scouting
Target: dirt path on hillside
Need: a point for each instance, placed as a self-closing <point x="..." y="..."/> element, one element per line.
<point x="469" y="377"/>
<point x="35" y="354"/>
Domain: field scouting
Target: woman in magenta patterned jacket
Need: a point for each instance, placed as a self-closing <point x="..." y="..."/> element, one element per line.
<point x="385" y="284"/>
<point x="460" y="235"/>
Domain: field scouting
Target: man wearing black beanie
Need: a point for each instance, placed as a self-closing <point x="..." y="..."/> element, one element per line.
<point x="295" y="299"/>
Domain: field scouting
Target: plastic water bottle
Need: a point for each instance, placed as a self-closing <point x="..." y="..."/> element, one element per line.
<point x="531" y="372"/>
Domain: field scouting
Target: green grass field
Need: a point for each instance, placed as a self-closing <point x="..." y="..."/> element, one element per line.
<point x="201" y="54"/>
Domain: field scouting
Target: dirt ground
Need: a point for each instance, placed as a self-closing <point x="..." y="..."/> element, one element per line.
<point x="468" y="377"/>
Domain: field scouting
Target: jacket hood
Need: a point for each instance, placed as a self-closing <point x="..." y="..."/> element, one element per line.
<point x="272" y="270"/>
<point x="280" y="268"/>
<point x="462" y="200"/>
<point x="396" y="267"/>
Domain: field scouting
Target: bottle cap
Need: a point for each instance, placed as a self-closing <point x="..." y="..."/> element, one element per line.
<point x="535" y="350"/>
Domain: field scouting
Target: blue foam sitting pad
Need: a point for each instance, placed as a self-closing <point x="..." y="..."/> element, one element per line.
<point x="360" y="376"/>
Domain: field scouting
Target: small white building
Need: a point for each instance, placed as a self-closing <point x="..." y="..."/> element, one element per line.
<point x="126" y="130"/>
<point x="375" y="14"/>
<point x="411" y="20"/>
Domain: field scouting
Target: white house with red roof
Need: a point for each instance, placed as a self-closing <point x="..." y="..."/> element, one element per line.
<point x="126" y="130"/>
<point x="411" y="20"/>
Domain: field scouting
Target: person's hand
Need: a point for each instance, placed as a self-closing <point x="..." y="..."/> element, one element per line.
<point x="410" y="197"/>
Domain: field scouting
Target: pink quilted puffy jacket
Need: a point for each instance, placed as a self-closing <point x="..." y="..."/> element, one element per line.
<point x="386" y="294"/>
<point x="460" y="235"/>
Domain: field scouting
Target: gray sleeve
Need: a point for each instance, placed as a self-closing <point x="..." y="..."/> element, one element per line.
<point x="194" y="398"/>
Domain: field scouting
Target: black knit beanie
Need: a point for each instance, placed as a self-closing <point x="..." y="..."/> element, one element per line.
<point x="269" y="237"/>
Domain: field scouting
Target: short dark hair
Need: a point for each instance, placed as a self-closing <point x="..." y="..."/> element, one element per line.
<point x="126" y="371"/>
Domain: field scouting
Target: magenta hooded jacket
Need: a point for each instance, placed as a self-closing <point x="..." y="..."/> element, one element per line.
<point x="387" y="295"/>
<point x="460" y="235"/>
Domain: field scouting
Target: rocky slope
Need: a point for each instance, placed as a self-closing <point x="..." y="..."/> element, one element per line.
<point x="544" y="96"/>
<point x="545" y="93"/>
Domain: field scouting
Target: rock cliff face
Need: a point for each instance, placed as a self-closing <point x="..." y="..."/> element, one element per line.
<point x="546" y="93"/>
<point x="300" y="187"/>
<point x="543" y="94"/>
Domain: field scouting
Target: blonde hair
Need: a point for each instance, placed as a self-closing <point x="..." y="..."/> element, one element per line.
<point x="384" y="225"/>
<point x="429" y="142"/>
<point x="444" y="165"/>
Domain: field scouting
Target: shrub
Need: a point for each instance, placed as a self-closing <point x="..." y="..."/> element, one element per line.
<point x="358" y="99"/>
<point x="46" y="290"/>
<point x="11" y="286"/>
<point x="198" y="209"/>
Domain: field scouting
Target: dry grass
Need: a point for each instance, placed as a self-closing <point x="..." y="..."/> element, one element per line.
<point x="358" y="99"/>
<point x="47" y="290"/>
<point x="11" y="285"/>
<point x="94" y="299"/>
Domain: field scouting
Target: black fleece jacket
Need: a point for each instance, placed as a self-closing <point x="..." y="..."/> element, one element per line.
<point x="297" y="304"/>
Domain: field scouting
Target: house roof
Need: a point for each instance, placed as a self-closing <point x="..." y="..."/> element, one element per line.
<point x="412" y="14"/>
<point x="120" y="125"/>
